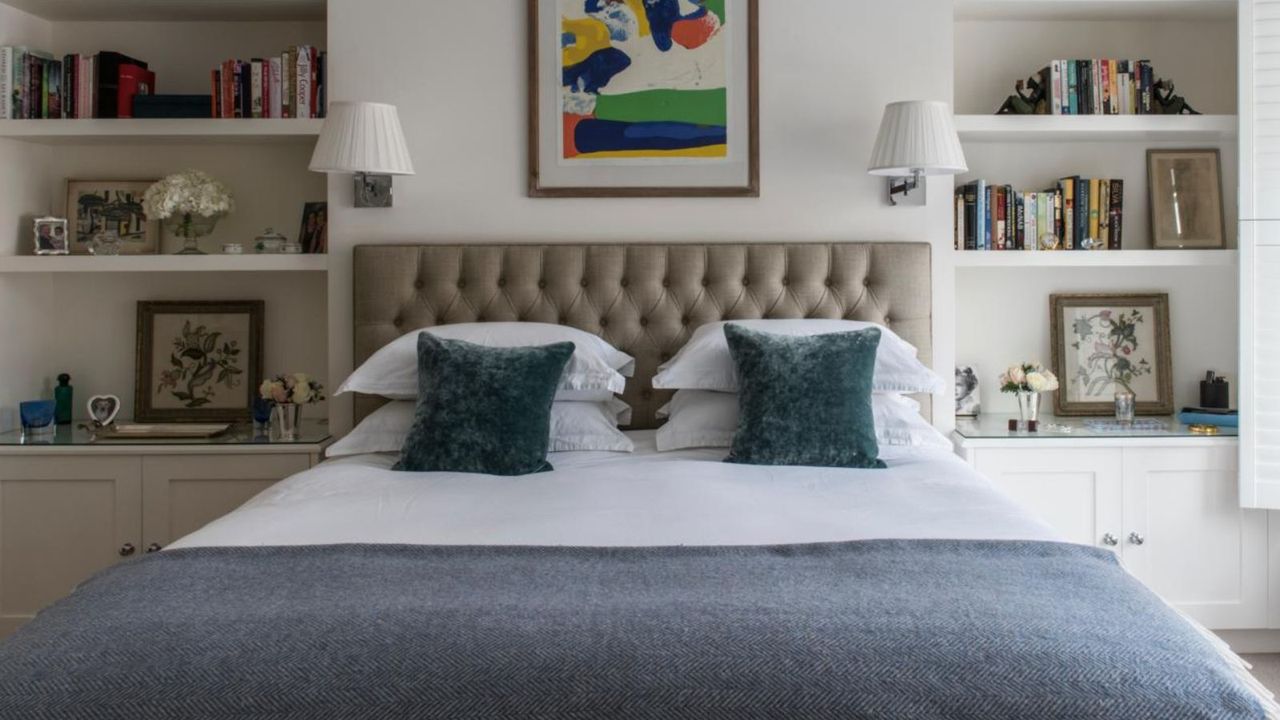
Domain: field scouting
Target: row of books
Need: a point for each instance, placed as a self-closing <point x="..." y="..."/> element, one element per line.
<point x="289" y="86"/>
<point x="35" y="86"/>
<point x="1100" y="87"/>
<point x="1077" y="214"/>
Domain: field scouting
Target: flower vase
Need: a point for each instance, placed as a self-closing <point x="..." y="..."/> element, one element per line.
<point x="1029" y="409"/>
<point x="191" y="227"/>
<point x="288" y="416"/>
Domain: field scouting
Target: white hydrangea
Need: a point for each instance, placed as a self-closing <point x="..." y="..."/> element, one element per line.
<point x="190" y="191"/>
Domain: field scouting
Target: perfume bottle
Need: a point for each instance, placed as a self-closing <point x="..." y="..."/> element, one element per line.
<point x="62" y="400"/>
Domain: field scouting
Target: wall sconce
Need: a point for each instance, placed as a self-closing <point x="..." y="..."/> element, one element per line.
<point x="917" y="138"/>
<point x="363" y="138"/>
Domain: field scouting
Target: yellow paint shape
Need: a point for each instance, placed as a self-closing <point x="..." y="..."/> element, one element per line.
<point x="707" y="151"/>
<point x="637" y="7"/>
<point x="590" y="34"/>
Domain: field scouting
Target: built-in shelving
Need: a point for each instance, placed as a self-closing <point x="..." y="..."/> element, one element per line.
<point x="150" y="132"/>
<point x="1095" y="128"/>
<point x="1102" y="258"/>
<point x="162" y="263"/>
<point x="1093" y="9"/>
<point x="173" y="10"/>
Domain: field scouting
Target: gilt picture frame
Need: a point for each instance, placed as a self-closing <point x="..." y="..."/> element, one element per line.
<point x="116" y="205"/>
<point x="1185" y="189"/>
<point x="198" y="361"/>
<point x="1105" y="343"/>
<point x="643" y="98"/>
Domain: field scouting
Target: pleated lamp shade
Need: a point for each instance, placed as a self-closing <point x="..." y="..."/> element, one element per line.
<point x="362" y="137"/>
<point x="917" y="135"/>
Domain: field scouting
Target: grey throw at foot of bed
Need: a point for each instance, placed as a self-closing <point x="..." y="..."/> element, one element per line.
<point x="878" y="629"/>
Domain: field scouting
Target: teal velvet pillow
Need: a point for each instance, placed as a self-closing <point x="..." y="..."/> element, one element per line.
<point x="483" y="409"/>
<point x="805" y="400"/>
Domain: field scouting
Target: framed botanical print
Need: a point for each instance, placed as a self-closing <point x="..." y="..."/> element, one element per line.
<point x="643" y="98"/>
<point x="95" y="206"/>
<point x="1106" y="343"/>
<point x="1186" y="199"/>
<point x="198" y="361"/>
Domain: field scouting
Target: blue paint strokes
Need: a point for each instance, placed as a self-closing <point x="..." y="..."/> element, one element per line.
<point x="568" y="39"/>
<point x="615" y="15"/>
<point x="663" y="15"/>
<point x="596" y="70"/>
<point x="593" y="135"/>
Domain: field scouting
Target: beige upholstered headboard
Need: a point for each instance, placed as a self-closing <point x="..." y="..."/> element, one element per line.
<point x="643" y="299"/>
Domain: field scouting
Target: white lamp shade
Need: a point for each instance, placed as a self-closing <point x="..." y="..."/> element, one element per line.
<point x="362" y="137"/>
<point x="917" y="136"/>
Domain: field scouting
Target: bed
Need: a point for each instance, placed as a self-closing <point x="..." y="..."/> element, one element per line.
<point x="641" y="585"/>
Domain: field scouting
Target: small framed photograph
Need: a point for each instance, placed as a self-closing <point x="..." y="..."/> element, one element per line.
<point x="1186" y="199"/>
<point x="198" y="361"/>
<point x="968" y="395"/>
<point x="111" y="205"/>
<point x="51" y="236"/>
<point x="314" y="233"/>
<point x="1109" y="343"/>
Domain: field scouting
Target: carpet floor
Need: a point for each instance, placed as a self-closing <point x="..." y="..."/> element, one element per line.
<point x="1267" y="669"/>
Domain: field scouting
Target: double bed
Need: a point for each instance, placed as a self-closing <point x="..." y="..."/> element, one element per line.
<point x="626" y="585"/>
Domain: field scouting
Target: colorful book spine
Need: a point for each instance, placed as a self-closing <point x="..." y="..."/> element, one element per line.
<point x="6" y="82"/>
<point x="255" y="88"/>
<point x="277" y="88"/>
<point x="1031" y="220"/>
<point x="302" y="100"/>
<point x="1114" y="239"/>
<point x="983" y="234"/>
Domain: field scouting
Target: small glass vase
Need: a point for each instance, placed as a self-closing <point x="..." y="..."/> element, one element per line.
<point x="288" y="417"/>
<point x="1029" y="409"/>
<point x="191" y="227"/>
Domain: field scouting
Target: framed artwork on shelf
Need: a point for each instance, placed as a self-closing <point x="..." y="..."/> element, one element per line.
<point x="112" y="206"/>
<point x="50" y="236"/>
<point x="313" y="235"/>
<point x="198" y="361"/>
<point x="1186" y="199"/>
<point x="1109" y="343"/>
<point x="643" y="98"/>
<point x="968" y="395"/>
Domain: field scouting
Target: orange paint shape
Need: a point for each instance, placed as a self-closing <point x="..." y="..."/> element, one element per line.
<point x="570" y="126"/>
<point x="696" y="32"/>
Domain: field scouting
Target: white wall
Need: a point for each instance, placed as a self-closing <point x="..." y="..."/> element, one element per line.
<point x="456" y="71"/>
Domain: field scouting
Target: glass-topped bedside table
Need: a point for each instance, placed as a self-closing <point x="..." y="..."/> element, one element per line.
<point x="996" y="427"/>
<point x="239" y="437"/>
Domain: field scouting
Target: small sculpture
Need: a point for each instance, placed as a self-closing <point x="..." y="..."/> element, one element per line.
<point x="1168" y="103"/>
<point x="1023" y="104"/>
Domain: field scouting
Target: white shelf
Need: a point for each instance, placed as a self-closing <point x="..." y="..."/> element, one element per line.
<point x="1094" y="259"/>
<point x="149" y="131"/>
<point x="163" y="263"/>
<point x="1094" y="9"/>
<point x="1095" y="128"/>
<point x="173" y="10"/>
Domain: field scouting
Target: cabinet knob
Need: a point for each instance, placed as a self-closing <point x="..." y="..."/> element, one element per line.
<point x="1110" y="540"/>
<point x="127" y="549"/>
<point x="1136" y="538"/>
<point x="153" y="547"/>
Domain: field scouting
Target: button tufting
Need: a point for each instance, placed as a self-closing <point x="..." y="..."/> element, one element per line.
<point x="604" y="322"/>
<point x="666" y="282"/>
<point x="583" y="283"/>
<point x="746" y="282"/>
<point x="705" y="282"/>
<point x="625" y="282"/>
<point x="462" y="284"/>
<point x="646" y="394"/>
<point x="684" y="320"/>
<point x="786" y="281"/>
<point x="564" y="319"/>
<point x="866" y="282"/>
<point x="887" y="319"/>
<point x="418" y="284"/>
<point x="542" y="284"/>
<point x="664" y="356"/>
<point x="830" y="282"/>
<point x="502" y="282"/>
<point x="644" y="322"/>
<point x="398" y="322"/>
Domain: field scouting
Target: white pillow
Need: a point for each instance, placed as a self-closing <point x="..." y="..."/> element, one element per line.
<point x="574" y="426"/>
<point x="596" y="371"/>
<point x="704" y="363"/>
<point x="703" y="418"/>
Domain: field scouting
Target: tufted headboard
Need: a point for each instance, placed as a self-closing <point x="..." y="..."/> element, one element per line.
<point x="644" y="299"/>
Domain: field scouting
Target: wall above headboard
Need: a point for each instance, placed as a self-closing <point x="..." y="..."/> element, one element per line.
<point x="456" y="71"/>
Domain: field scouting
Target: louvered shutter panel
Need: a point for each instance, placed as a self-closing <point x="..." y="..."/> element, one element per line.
<point x="1259" y="388"/>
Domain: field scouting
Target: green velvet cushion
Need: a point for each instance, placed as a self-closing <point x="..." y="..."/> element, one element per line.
<point x="805" y="400"/>
<point x="483" y="409"/>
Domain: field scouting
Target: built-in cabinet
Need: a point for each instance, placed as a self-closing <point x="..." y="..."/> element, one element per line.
<point x="64" y="517"/>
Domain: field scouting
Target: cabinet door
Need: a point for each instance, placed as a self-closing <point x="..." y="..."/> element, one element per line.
<point x="61" y="520"/>
<point x="1187" y="537"/>
<point x="1078" y="492"/>
<point x="183" y="493"/>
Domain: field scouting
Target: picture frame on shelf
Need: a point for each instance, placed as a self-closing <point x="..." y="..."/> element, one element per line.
<point x="1104" y="343"/>
<point x="630" y="101"/>
<point x="50" y="237"/>
<point x="1185" y="189"/>
<point x="94" y="206"/>
<point x="968" y="392"/>
<point x="313" y="234"/>
<point x="198" y="361"/>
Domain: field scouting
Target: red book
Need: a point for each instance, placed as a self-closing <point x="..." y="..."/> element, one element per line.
<point x="134" y="80"/>
<point x="216" y="95"/>
<point x="228" y="89"/>
<point x="315" y="84"/>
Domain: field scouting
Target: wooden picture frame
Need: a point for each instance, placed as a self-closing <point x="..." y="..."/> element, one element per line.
<point x="138" y="235"/>
<point x="1184" y="188"/>
<point x="1106" y="342"/>
<point x="209" y="366"/>
<point x="611" y="179"/>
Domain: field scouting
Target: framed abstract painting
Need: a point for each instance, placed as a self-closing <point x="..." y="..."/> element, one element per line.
<point x="643" y="98"/>
<point x="1104" y="344"/>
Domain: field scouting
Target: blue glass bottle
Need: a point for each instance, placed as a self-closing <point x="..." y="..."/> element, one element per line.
<point x="62" y="400"/>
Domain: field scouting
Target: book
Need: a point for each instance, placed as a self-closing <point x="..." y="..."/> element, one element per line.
<point x="134" y="81"/>
<point x="1104" y="212"/>
<point x="1073" y="88"/>
<point x="1116" y="216"/>
<point x="255" y="88"/>
<point x="1194" y="416"/>
<point x="1031" y="223"/>
<point x="970" y="222"/>
<point x="1068" y="186"/>
<point x="1091" y="210"/>
<point x="6" y="82"/>
<point x="1055" y="87"/>
<point x="106" y="81"/>
<point x="302" y="101"/>
<point x="277" y="88"/>
<point x="981" y="234"/>
<point x="1001" y="218"/>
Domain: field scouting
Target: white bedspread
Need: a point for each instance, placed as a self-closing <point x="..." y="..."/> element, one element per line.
<point x="644" y="498"/>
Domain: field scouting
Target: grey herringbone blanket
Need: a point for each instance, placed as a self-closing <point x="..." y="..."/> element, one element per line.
<point x="880" y="629"/>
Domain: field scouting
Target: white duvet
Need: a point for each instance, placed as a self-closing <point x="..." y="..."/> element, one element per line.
<point x="687" y="497"/>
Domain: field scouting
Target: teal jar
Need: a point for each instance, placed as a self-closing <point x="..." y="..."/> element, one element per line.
<point x="62" y="400"/>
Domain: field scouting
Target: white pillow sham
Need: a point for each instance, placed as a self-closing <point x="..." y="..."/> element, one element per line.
<point x="596" y="371"/>
<point x="574" y="426"/>
<point x="704" y="363"/>
<point x="704" y="418"/>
